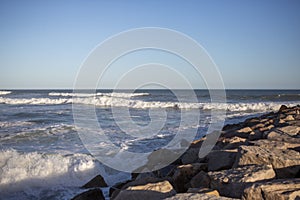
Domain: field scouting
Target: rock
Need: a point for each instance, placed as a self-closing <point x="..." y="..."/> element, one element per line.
<point x="97" y="181"/>
<point x="219" y="160"/>
<point x="184" y="173"/>
<point x="192" y="153"/>
<point x="277" y="135"/>
<point x="290" y="130"/>
<point x="232" y="182"/>
<point x="270" y="144"/>
<point x="115" y="189"/>
<point x="140" y="181"/>
<point x="245" y="130"/>
<point x="252" y="121"/>
<point x="283" y="108"/>
<point x="231" y="143"/>
<point x="196" y="196"/>
<point x="275" y="189"/>
<point x="289" y="118"/>
<point x="200" y="180"/>
<point x="256" y="126"/>
<point x="255" y="135"/>
<point x="95" y="194"/>
<point x="242" y="133"/>
<point x="158" y="190"/>
<point x="207" y="191"/>
<point x="286" y="163"/>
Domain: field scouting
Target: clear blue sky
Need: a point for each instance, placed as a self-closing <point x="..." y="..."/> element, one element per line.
<point x="256" y="44"/>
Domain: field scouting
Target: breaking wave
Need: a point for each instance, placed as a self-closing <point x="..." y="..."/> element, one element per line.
<point x="5" y="92"/>
<point x="114" y="94"/>
<point x="107" y="101"/>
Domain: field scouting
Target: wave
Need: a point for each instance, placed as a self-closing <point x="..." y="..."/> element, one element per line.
<point x="19" y="171"/>
<point x="5" y="92"/>
<point x="107" y="101"/>
<point x="113" y="94"/>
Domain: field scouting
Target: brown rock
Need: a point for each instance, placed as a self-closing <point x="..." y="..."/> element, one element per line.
<point x="200" y="180"/>
<point x="232" y="143"/>
<point x="207" y="191"/>
<point x="260" y="125"/>
<point x="286" y="163"/>
<point x="97" y="181"/>
<point x="289" y="118"/>
<point x="158" y="190"/>
<point x="283" y="108"/>
<point x="275" y="189"/>
<point x="196" y="196"/>
<point x="277" y="135"/>
<point x="184" y="173"/>
<point x="271" y="144"/>
<point x="219" y="160"/>
<point x="290" y="130"/>
<point x="255" y="135"/>
<point x="95" y="194"/>
<point x="232" y="182"/>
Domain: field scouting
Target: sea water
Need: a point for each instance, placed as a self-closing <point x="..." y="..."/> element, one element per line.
<point x="43" y="157"/>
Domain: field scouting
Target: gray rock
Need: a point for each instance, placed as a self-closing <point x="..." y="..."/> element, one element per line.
<point x="219" y="160"/>
<point x="232" y="182"/>
<point x="285" y="162"/>
<point x="275" y="189"/>
<point x="95" y="194"/>
<point x="97" y="181"/>
<point x="200" y="180"/>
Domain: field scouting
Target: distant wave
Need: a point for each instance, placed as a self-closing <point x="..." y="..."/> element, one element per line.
<point x="5" y="92"/>
<point x="107" y="101"/>
<point x="113" y="94"/>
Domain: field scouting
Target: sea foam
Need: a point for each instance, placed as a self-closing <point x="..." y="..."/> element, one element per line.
<point x="116" y="101"/>
<point x="5" y="92"/>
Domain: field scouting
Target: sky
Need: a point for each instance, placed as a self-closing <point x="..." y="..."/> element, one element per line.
<point x="255" y="44"/>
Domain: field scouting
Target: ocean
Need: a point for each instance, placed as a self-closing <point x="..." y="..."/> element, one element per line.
<point x="42" y="155"/>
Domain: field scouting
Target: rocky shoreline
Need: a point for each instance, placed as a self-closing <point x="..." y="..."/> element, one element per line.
<point x="256" y="159"/>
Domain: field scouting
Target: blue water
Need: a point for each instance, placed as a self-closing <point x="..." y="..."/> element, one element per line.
<point x="42" y="156"/>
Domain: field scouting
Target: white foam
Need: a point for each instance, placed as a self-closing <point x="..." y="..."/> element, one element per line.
<point x="114" y="94"/>
<point x="107" y="101"/>
<point x="20" y="171"/>
<point x="5" y="92"/>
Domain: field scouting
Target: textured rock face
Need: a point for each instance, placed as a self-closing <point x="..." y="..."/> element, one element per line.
<point x="231" y="183"/>
<point x="200" y="180"/>
<point x="285" y="162"/>
<point x="219" y="160"/>
<point x="196" y="196"/>
<point x="204" y="191"/>
<point x="95" y="194"/>
<point x="184" y="173"/>
<point x="276" y="189"/>
<point x="149" y="191"/>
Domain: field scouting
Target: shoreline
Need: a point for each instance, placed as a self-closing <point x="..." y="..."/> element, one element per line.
<point x="255" y="159"/>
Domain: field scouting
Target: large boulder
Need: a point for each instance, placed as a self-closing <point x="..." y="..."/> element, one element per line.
<point x="184" y="173"/>
<point x="97" y="181"/>
<point x="196" y="196"/>
<point x="277" y="135"/>
<point x="275" y="189"/>
<point x="95" y="194"/>
<point x="219" y="160"/>
<point x="285" y="162"/>
<point x="232" y="182"/>
<point x="200" y="180"/>
<point x="158" y="190"/>
<point x="192" y="153"/>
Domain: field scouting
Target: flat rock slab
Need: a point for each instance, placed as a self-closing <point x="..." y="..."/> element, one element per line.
<point x="159" y="190"/>
<point x="196" y="196"/>
<point x="232" y="182"/>
<point x="285" y="162"/>
<point x="276" y="189"/>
